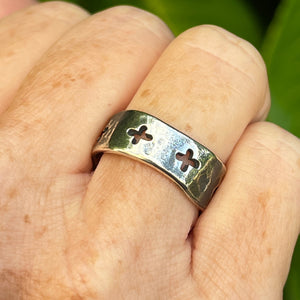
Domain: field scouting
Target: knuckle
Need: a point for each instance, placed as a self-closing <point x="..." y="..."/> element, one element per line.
<point x="139" y="18"/>
<point x="224" y="44"/>
<point x="227" y="48"/>
<point x="230" y="60"/>
<point x="60" y="10"/>
<point x="127" y="10"/>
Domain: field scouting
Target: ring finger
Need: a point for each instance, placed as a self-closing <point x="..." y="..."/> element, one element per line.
<point x="208" y="84"/>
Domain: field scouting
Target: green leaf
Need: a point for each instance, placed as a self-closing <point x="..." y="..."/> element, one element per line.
<point x="281" y="51"/>
<point x="236" y="16"/>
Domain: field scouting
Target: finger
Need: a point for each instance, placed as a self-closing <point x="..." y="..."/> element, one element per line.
<point x="243" y="243"/>
<point x="90" y="73"/>
<point x="22" y="47"/>
<point x="9" y="6"/>
<point x="208" y="84"/>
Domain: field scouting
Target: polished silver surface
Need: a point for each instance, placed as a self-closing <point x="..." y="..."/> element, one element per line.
<point x="195" y="169"/>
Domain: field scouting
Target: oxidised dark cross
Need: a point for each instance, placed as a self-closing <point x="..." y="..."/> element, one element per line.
<point x="139" y="134"/>
<point x="187" y="160"/>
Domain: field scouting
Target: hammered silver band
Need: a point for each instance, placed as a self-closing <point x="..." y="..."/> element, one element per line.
<point x="194" y="168"/>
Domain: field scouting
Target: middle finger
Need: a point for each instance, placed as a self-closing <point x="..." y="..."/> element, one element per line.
<point x="88" y="74"/>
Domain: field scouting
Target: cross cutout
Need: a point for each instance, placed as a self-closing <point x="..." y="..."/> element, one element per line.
<point x="139" y="134"/>
<point x="187" y="160"/>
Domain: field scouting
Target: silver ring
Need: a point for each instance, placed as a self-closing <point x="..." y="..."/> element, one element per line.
<point x="194" y="168"/>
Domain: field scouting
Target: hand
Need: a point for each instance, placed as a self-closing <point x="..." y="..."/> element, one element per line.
<point x="125" y="231"/>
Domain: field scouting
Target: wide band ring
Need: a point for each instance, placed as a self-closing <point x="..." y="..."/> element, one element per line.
<point x="194" y="168"/>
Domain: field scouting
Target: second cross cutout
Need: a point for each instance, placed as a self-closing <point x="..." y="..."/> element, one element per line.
<point x="187" y="160"/>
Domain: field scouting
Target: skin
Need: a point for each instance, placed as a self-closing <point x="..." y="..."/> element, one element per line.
<point x="9" y="6"/>
<point x="125" y="231"/>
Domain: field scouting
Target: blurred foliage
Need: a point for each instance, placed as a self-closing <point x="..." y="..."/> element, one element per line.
<point x="281" y="50"/>
<point x="279" y="45"/>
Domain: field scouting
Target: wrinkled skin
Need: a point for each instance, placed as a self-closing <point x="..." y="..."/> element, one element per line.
<point x="125" y="231"/>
